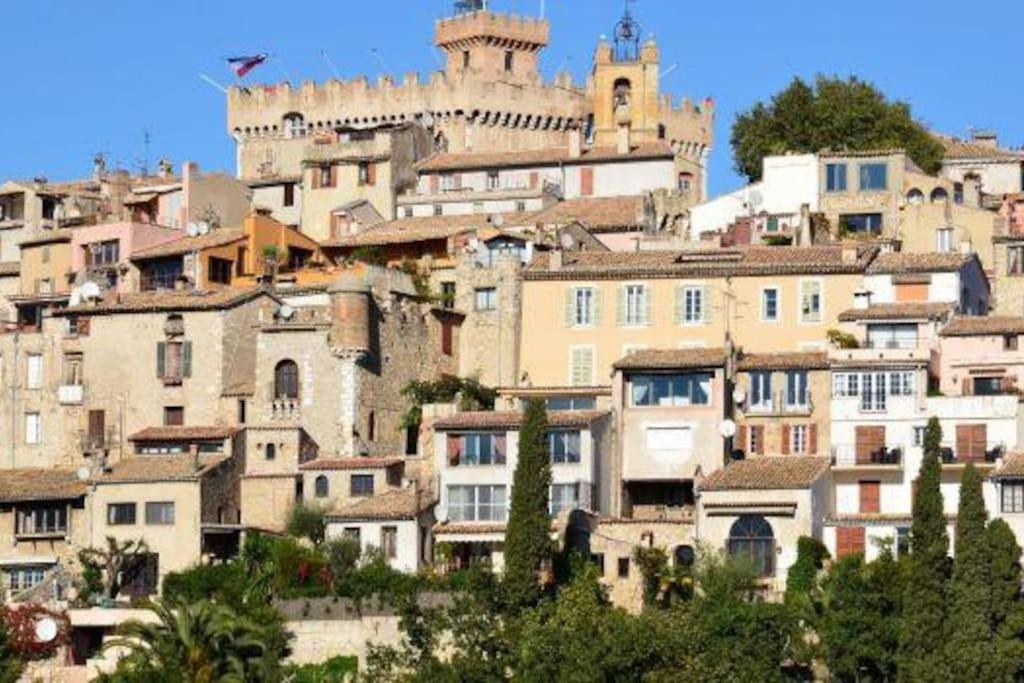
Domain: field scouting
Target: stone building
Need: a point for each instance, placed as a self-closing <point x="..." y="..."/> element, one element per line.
<point x="981" y="161"/>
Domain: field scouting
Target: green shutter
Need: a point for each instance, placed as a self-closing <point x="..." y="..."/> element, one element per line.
<point x="680" y="306"/>
<point x="597" y="307"/>
<point x="186" y="360"/>
<point x="570" y="306"/>
<point x="648" y="304"/>
<point x="706" y="303"/>
<point x="620" y="309"/>
<point x="161" y="359"/>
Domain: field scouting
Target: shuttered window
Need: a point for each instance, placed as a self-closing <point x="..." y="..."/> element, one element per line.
<point x="634" y="305"/>
<point x="849" y="540"/>
<point x="581" y="366"/>
<point x="582" y="307"/>
<point x="870" y="496"/>
<point x="691" y="304"/>
<point x="869" y="441"/>
<point x="971" y="442"/>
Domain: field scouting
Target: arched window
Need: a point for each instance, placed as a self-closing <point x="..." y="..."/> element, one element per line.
<point x="294" y="125"/>
<point x="286" y="380"/>
<point x="621" y="93"/>
<point x="751" y="537"/>
<point x="685" y="181"/>
<point x="320" y="487"/>
<point x="939" y="195"/>
<point x="271" y="451"/>
<point x="915" y="196"/>
<point x="958" y="193"/>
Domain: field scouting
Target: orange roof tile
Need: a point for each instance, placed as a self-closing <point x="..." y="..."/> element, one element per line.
<point x="768" y="473"/>
<point x="671" y="359"/>
<point x="510" y="419"/>
<point x="983" y="325"/>
<point x="908" y="310"/>
<point x="39" y="484"/>
<point x="186" y="245"/>
<point x="892" y="263"/>
<point x="795" y="360"/>
<point x="156" y="468"/>
<point x="350" y="463"/>
<point x="184" y="433"/>
<point x="598" y="214"/>
<point x="169" y="300"/>
<point x="405" y="503"/>
<point x="426" y="228"/>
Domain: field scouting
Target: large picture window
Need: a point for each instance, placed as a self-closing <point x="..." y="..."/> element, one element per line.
<point x="476" y="503"/>
<point x="751" y="537"/>
<point x="685" y="389"/>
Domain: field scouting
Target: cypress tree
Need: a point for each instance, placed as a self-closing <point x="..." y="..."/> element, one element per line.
<point x="528" y="536"/>
<point x="1007" y="609"/>
<point x="924" y="601"/>
<point x="969" y="643"/>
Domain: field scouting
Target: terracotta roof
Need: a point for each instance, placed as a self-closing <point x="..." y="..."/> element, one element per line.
<point x="272" y="180"/>
<point x="965" y="149"/>
<point x="597" y="214"/>
<point x="542" y="157"/>
<point x="405" y="503"/>
<point x="768" y="473"/>
<point x="155" y="468"/>
<point x="860" y="153"/>
<point x="185" y="245"/>
<point x="511" y="419"/>
<point x="735" y="262"/>
<point x="184" y="433"/>
<point x="425" y="228"/>
<point x="982" y="325"/>
<point x="671" y="359"/>
<point x="916" y="310"/>
<point x="9" y="268"/>
<point x="1013" y="466"/>
<point x="39" y="484"/>
<point x="795" y="360"/>
<point x="350" y="463"/>
<point x="46" y="237"/>
<point x="170" y="300"/>
<point x="892" y="263"/>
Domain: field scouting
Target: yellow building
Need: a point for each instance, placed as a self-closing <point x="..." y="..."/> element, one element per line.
<point x="584" y="310"/>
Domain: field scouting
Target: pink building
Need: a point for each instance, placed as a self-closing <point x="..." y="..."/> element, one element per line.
<point x="101" y="252"/>
<point x="982" y="355"/>
<point x="1012" y="210"/>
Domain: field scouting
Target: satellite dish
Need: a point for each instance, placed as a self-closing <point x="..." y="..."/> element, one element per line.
<point x="192" y="229"/>
<point x="727" y="429"/>
<point x="90" y="290"/>
<point x="739" y="395"/>
<point x="567" y="241"/>
<point x="285" y="312"/>
<point x="76" y="297"/>
<point x="83" y="473"/>
<point x="204" y="228"/>
<point x="497" y="220"/>
<point x="756" y="198"/>
<point x="46" y="630"/>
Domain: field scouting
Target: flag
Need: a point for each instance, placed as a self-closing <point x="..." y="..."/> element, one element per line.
<point x="243" y="65"/>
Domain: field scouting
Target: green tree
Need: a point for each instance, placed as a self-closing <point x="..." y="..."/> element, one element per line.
<point x="110" y="563"/>
<point x="802" y="576"/>
<point x="306" y="521"/>
<point x="1007" y="608"/>
<point x="969" y="644"/>
<point x="924" y="602"/>
<point x="836" y="113"/>
<point x="528" y="537"/>
<point x="10" y="664"/>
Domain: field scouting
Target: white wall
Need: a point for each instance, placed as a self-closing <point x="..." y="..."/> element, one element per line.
<point x="407" y="558"/>
<point x="996" y="177"/>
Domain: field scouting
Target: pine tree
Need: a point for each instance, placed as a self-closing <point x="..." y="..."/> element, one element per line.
<point x="924" y="603"/>
<point x="969" y="638"/>
<point x="528" y="536"/>
<point x="1007" y="608"/>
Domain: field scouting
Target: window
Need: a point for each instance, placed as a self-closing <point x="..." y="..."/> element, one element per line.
<point x="361" y="485"/>
<point x="493" y="180"/>
<point x="174" y="416"/>
<point x="321" y="487"/>
<point x="754" y="440"/>
<point x="873" y="177"/>
<point x="634" y="305"/>
<point x="873" y="398"/>
<point x="760" y="391"/>
<point x="796" y="388"/>
<point x="939" y="195"/>
<point x="173" y="361"/>
<point x="389" y="541"/>
<point x="71" y="373"/>
<point x="482" y="449"/>
<point x="582" y="302"/>
<point x="351" y="533"/>
<point x="438" y="209"/>
<point x="486" y="299"/>
<point x="364" y="173"/>
<point x="684" y="182"/>
<point x="34" y="363"/>
<point x="915" y="196"/>
<point x="326" y="176"/>
<point x="944" y="240"/>
<point x="692" y="305"/>
<point x="286" y="379"/>
<point x="24" y="578"/>
<point x="835" y="177"/>
<point x="751" y="537"/>
<point x="289" y="195"/>
<point x="520" y="206"/>
<point x="120" y="514"/>
<point x="476" y="503"/>
<point x="465" y="59"/>
<point x="1014" y="260"/>
<point x="581" y="366"/>
<point x="861" y="223"/>
<point x="564" y="497"/>
<point x="160" y="514"/>
<point x="141" y="575"/>
<point x="564" y="447"/>
<point x="33" y="428"/>
<point x="407" y="212"/>
<point x="986" y="386"/>
<point x="902" y="541"/>
<point x="294" y="126"/>
<point x="571" y="403"/>
<point x="270" y="451"/>
<point x="242" y="405"/>
<point x="102" y="253"/>
<point x="682" y="389"/>
<point x="810" y="301"/>
<point x="1012" y="496"/>
<point x="220" y="270"/>
<point x="770" y="304"/>
<point x="919" y="436"/>
<point x="1010" y="342"/>
<point x="510" y="58"/>
<point x="798" y="439"/>
<point x="42" y="519"/>
<point x="623" y="567"/>
<point x="899" y="336"/>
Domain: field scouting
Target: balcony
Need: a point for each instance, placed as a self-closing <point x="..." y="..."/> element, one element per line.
<point x="285" y="409"/>
<point x="70" y="394"/>
<point x="980" y="455"/>
<point x="779" y="404"/>
<point x="889" y="456"/>
<point x="891" y="344"/>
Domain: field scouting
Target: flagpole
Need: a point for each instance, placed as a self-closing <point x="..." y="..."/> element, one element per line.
<point x="214" y="83"/>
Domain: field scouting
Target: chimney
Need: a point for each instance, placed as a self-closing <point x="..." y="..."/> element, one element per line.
<point x="985" y="138"/>
<point x="166" y="168"/>
<point x="193" y="453"/>
<point x="862" y="299"/>
<point x="555" y="260"/>
<point x="575" y="143"/>
<point x="622" y="140"/>
<point x="849" y="254"/>
<point x="99" y="168"/>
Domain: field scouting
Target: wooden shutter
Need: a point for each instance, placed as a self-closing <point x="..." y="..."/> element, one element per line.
<point x="334" y="176"/>
<point x="705" y="303"/>
<point x="849" y="540"/>
<point x="812" y="439"/>
<point x="186" y="359"/>
<point x="597" y="306"/>
<point x="869" y="440"/>
<point x="759" y="432"/>
<point x="315" y="180"/>
<point x="971" y="440"/>
<point x="454" y="449"/>
<point x="620" y="309"/>
<point x="785" y="439"/>
<point x="161" y="359"/>
<point x="371" y="175"/>
<point x="870" y="496"/>
<point x="82" y="326"/>
<point x="97" y="427"/>
<point x="741" y="439"/>
<point x="680" y="307"/>
<point x="446" y="338"/>
<point x="500" y="449"/>
<point x="586" y="181"/>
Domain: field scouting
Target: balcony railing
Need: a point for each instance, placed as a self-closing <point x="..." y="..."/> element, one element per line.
<point x="779" y="404"/>
<point x="991" y="451"/>
<point x="848" y="455"/>
<point x="285" y="409"/>
<point x="880" y="344"/>
<point x="70" y="394"/>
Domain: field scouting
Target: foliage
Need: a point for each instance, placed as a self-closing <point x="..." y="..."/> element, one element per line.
<point x="342" y="556"/>
<point x="370" y="254"/>
<point x="306" y="521"/>
<point x="801" y="578"/>
<point x="1007" y="607"/>
<point x="298" y="571"/>
<point x="273" y="254"/>
<point x="842" y="340"/>
<point x="528" y="545"/>
<point x="20" y="630"/>
<point x="11" y="664"/>
<point x="926" y="590"/>
<point x="224" y="583"/>
<point x="835" y="114"/>
<point x="651" y="562"/>
<point x="420" y="279"/>
<point x="468" y="391"/>
<point x="110" y="562"/>
<point x="334" y="670"/>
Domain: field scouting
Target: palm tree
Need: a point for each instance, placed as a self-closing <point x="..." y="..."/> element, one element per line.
<point x="202" y="643"/>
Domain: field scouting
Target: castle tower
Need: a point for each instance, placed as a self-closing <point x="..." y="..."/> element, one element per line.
<point x="491" y="46"/>
<point x="626" y="99"/>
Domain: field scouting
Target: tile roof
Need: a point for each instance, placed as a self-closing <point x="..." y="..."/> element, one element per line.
<point x="186" y="245"/>
<point x="169" y="300"/>
<point x="511" y="419"/>
<point x="46" y="237"/>
<point x="10" y="268"/>
<point x="770" y="472"/>
<point x="597" y="214"/>
<point x="542" y="157"/>
<point x="1013" y="466"/>
<point x="900" y="262"/>
<point x="404" y="503"/>
<point x="795" y="360"/>
<point x="915" y="310"/>
<point x="350" y="463"/>
<point x="156" y="468"/>
<point x="735" y="262"/>
<point x="671" y="359"/>
<point x="965" y="149"/>
<point x="184" y="433"/>
<point x="39" y="484"/>
<point x="426" y="228"/>
<point x="981" y="325"/>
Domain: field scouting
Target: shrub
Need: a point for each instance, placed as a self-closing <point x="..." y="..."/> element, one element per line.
<point x="334" y="670"/>
<point x="224" y="583"/>
<point x="306" y="521"/>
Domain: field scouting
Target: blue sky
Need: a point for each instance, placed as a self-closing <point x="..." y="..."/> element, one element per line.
<point x="82" y="77"/>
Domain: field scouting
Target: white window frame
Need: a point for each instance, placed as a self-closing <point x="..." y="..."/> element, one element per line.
<point x="491" y="294"/>
<point x="694" y="304"/>
<point x="34" y="371"/>
<point x="778" y="304"/>
<point x="585" y="316"/>
<point x="33" y="428"/>
<point x="593" y="363"/>
<point x="640" y="319"/>
<point x="820" y="318"/>
<point x="762" y="379"/>
<point x="944" y="240"/>
<point x="799" y="439"/>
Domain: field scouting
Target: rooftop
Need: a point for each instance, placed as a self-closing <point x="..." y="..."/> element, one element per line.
<point x="511" y="419"/>
<point x="47" y="237"/>
<point x="156" y="468"/>
<point x="167" y="300"/>
<point x="184" y="433"/>
<point x="350" y="463"/>
<point x="542" y="157"/>
<point x="405" y="503"/>
<point x="912" y="310"/>
<point x="597" y="214"/>
<point x="966" y="149"/>
<point x="893" y="263"/>
<point x="186" y="245"/>
<point x="769" y="472"/>
<point x="39" y="484"/>
<point x="1013" y="466"/>
<point x="795" y="360"/>
<point x="671" y="359"/>
<point x="982" y="325"/>
<point x="425" y="228"/>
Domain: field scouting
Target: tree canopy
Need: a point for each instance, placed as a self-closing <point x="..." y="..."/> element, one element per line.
<point x="834" y="113"/>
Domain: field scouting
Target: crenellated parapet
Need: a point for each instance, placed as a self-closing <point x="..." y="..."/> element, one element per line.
<point x="509" y="29"/>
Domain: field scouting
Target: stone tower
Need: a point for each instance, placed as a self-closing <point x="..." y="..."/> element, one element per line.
<point x="492" y="46"/>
